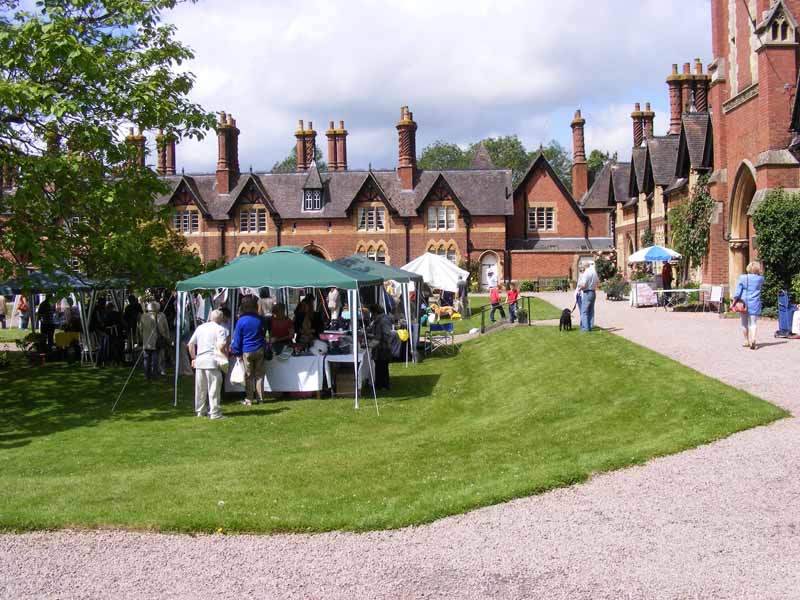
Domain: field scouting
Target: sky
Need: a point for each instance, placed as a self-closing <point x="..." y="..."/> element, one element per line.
<point x="468" y="69"/>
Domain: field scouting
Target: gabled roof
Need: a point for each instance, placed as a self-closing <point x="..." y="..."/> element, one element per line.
<point x="481" y="158"/>
<point x="175" y="183"/>
<point x="620" y="182"/>
<point x="639" y="170"/>
<point x="480" y="192"/>
<point x="696" y="143"/>
<point x="775" y="11"/>
<point x="370" y="179"/>
<point x="313" y="180"/>
<point x="540" y="162"/>
<point x="663" y="153"/>
<point x="599" y="195"/>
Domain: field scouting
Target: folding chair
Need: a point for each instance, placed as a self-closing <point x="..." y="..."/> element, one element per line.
<point x="440" y="336"/>
<point x="715" y="297"/>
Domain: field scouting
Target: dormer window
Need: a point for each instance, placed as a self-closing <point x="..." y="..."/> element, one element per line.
<point x="312" y="199"/>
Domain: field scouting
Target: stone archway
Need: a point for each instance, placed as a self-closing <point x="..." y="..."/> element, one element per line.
<point x="317" y="251"/>
<point x="744" y="188"/>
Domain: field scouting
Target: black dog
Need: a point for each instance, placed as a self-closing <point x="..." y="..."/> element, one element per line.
<point x="565" y="323"/>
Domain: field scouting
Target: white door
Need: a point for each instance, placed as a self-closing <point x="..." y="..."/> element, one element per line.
<point x="488" y="270"/>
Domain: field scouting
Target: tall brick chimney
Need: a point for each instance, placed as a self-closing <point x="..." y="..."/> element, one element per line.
<point x="407" y="155"/>
<point x="675" y="107"/>
<point x="138" y="142"/>
<point x="165" y="145"/>
<point x="580" y="170"/>
<point x="337" y="147"/>
<point x="701" y="83"/>
<point x="306" y="145"/>
<point x="638" y="125"/>
<point x="228" y="161"/>
<point x="686" y="88"/>
<point x="341" y="147"/>
<point x="648" y="116"/>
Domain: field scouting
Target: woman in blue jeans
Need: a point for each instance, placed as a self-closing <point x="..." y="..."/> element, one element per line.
<point x="748" y="290"/>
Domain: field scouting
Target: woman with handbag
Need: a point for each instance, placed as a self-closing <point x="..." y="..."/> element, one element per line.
<point x="747" y="302"/>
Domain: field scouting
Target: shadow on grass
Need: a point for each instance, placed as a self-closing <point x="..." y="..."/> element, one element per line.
<point x="39" y="401"/>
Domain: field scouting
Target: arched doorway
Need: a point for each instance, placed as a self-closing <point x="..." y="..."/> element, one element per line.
<point x="490" y="270"/>
<point x="744" y="189"/>
<point x="317" y="251"/>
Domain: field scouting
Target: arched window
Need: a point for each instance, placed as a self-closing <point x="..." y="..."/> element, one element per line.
<point x="451" y="254"/>
<point x="784" y="31"/>
<point x="252" y="251"/>
<point x="371" y="253"/>
<point x="381" y="256"/>
<point x="441" y="251"/>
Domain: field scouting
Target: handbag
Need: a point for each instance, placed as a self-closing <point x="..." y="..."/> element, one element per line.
<point x="237" y="373"/>
<point x="740" y="306"/>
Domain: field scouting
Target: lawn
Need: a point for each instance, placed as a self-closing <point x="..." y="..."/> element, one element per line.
<point x="11" y="334"/>
<point x="540" y="311"/>
<point x="504" y="418"/>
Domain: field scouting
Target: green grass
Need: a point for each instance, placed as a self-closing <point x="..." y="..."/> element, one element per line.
<point x="10" y="335"/>
<point x="506" y="417"/>
<point x="540" y="311"/>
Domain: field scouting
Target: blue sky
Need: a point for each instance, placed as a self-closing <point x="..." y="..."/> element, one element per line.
<point x="468" y="69"/>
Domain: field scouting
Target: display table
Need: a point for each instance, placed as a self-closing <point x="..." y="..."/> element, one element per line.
<point x="364" y="373"/>
<point x="796" y="322"/>
<point x="294" y="374"/>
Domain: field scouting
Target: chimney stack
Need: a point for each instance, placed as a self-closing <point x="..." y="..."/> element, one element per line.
<point x="702" y="81"/>
<point x="306" y="145"/>
<point x="638" y="125"/>
<point x="648" y="116"/>
<point x="341" y="147"/>
<point x="228" y="161"/>
<point x="686" y="88"/>
<point x="138" y="143"/>
<point x="170" y="153"/>
<point x="165" y="144"/>
<point x="580" y="170"/>
<point x="675" y="109"/>
<point x="333" y="159"/>
<point x="407" y="155"/>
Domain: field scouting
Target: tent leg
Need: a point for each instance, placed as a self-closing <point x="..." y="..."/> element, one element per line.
<point x="352" y="301"/>
<point x="369" y="366"/>
<point x="178" y="322"/>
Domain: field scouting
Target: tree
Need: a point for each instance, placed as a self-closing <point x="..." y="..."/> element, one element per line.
<point x="648" y="238"/>
<point x="777" y="224"/>
<point x="596" y="160"/>
<point x="442" y="155"/>
<point x="79" y="72"/>
<point x="559" y="159"/>
<point x="289" y="164"/>
<point x="506" y="152"/>
<point x="690" y="224"/>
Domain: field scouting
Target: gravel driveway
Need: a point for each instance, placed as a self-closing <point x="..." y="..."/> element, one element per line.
<point x="721" y="521"/>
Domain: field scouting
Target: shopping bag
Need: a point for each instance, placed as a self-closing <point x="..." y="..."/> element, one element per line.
<point x="222" y="361"/>
<point x="237" y="373"/>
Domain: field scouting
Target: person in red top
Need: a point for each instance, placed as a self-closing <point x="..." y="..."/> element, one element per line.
<point x="511" y="298"/>
<point x="496" y="301"/>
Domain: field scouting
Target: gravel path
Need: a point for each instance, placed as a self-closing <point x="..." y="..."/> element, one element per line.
<point x="721" y="521"/>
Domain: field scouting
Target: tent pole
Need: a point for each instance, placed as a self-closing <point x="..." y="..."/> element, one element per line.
<point x="352" y="300"/>
<point x="407" y="311"/>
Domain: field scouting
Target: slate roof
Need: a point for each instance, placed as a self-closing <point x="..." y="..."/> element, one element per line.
<point x="480" y="192"/>
<point x="610" y="185"/>
<point x="639" y="162"/>
<point x="695" y="134"/>
<point x="481" y="158"/>
<point x="563" y="244"/>
<point x="599" y="195"/>
<point x="663" y="158"/>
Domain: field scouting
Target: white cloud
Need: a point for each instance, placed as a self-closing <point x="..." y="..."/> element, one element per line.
<point x="467" y="68"/>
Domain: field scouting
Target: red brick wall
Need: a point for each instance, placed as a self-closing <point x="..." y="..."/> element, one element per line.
<point x="540" y="187"/>
<point x="530" y="265"/>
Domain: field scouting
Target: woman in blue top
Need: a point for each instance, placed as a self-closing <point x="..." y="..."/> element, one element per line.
<point x="249" y="340"/>
<point x="748" y="290"/>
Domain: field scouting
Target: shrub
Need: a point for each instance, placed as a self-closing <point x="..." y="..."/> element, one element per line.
<point x="648" y="239"/>
<point x="692" y="285"/>
<point x="777" y="221"/>
<point x="770" y="312"/>
<point x="606" y="268"/>
<point x="796" y="287"/>
<point x="616" y="288"/>
<point x="690" y="224"/>
<point x="526" y="285"/>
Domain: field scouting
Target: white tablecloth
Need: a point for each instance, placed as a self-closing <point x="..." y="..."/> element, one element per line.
<point x="796" y="323"/>
<point x="364" y="373"/>
<point x="295" y="374"/>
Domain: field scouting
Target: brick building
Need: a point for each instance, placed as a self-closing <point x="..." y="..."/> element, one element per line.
<point x="533" y="229"/>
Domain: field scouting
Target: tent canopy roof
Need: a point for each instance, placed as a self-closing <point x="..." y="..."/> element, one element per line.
<point x="437" y="271"/>
<point x="44" y="283"/>
<point x="363" y="265"/>
<point x="286" y="268"/>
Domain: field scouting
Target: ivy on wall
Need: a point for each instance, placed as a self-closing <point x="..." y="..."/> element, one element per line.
<point x="690" y="224"/>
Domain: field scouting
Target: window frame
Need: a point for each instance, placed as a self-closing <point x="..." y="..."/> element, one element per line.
<point x="312" y="200"/>
<point x="542" y="218"/>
